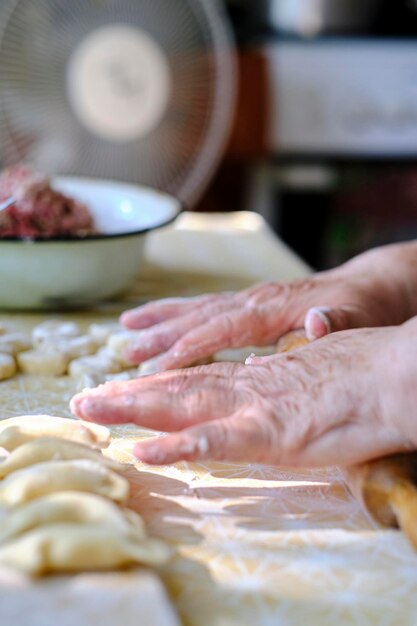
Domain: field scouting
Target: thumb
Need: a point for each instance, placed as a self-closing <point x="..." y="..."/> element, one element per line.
<point x="322" y="320"/>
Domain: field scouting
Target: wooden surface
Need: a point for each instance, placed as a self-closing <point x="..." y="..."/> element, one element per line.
<point x="256" y="545"/>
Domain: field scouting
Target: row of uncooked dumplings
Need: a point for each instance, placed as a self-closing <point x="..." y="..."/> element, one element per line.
<point x="63" y="501"/>
<point x="56" y="348"/>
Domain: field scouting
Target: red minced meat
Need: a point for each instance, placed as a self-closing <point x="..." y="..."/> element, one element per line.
<point x="39" y="210"/>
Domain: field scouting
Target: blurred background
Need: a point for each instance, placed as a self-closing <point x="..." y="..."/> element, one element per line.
<point x="324" y="143"/>
<point x="320" y="96"/>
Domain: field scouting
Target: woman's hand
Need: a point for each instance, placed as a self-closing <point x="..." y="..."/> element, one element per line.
<point x="372" y="290"/>
<point x="341" y="400"/>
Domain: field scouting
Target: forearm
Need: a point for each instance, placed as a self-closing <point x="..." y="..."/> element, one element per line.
<point x="393" y="270"/>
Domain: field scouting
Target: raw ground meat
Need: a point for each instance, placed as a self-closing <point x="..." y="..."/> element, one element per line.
<point x="39" y="211"/>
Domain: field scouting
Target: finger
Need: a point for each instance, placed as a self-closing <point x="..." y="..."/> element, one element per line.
<point x="215" y="375"/>
<point x="159" y="411"/>
<point x="234" y="438"/>
<point x="162" y="336"/>
<point x="236" y="329"/>
<point x="317" y="322"/>
<point x="321" y="321"/>
<point x="174" y="381"/>
<point x="161" y="310"/>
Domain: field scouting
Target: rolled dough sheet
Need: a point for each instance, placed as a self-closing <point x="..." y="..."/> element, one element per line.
<point x="103" y="599"/>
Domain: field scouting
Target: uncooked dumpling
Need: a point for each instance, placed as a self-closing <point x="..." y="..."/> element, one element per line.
<point x="70" y="507"/>
<point x="53" y="330"/>
<point x="118" y="343"/>
<point x="103" y="362"/>
<point x="48" y="361"/>
<point x="52" y="449"/>
<point x="80" y="475"/>
<point x="13" y="343"/>
<point x="16" y="431"/>
<point x="8" y="366"/>
<point x="77" y="547"/>
<point x="101" y="332"/>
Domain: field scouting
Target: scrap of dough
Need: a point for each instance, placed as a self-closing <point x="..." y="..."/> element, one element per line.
<point x="8" y="367"/>
<point x="76" y="475"/>
<point x="43" y="362"/>
<point x="89" y="381"/>
<point x="79" y="547"/>
<point x="101" y="332"/>
<point x="16" y="431"/>
<point x="101" y="363"/>
<point x="52" y="330"/>
<point x="13" y="343"/>
<point x="52" y="449"/>
<point x="70" y="506"/>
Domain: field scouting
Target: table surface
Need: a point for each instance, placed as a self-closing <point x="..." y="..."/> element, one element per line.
<point x="257" y="545"/>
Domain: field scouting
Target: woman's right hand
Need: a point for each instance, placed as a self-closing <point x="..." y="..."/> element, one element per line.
<point x="374" y="289"/>
<point x="344" y="399"/>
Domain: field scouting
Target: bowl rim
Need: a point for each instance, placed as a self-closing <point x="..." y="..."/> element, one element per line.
<point x="68" y="239"/>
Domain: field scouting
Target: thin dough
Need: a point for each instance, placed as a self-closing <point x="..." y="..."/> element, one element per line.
<point x="70" y="507"/>
<point x="16" y="431"/>
<point x="79" y="547"/>
<point x="52" y="449"/>
<point x="78" y="475"/>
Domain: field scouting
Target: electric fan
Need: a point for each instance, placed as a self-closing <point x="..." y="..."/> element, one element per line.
<point x="136" y="90"/>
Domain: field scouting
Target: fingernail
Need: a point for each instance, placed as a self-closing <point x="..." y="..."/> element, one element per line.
<point x="125" y="317"/>
<point x="80" y="406"/>
<point x="317" y="323"/>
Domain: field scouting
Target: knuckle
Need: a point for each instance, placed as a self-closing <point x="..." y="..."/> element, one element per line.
<point x="180" y="384"/>
<point x="299" y="426"/>
<point x="227" y="324"/>
<point x="266" y="439"/>
<point x="218" y="440"/>
<point x="263" y="292"/>
<point x="196" y="401"/>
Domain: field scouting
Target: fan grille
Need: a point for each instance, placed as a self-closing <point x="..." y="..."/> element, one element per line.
<point x="38" y="122"/>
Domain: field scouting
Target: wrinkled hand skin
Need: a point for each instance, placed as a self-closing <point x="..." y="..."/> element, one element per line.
<point x="340" y="400"/>
<point x="371" y="290"/>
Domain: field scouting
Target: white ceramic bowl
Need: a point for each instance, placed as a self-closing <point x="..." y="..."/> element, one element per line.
<point x="60" y="273"/>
